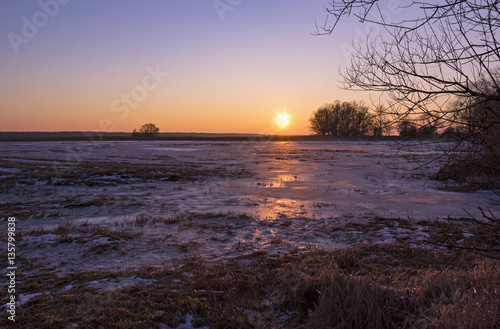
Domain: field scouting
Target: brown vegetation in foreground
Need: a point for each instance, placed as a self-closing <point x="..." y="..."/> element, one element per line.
<point x="371" y="286"/>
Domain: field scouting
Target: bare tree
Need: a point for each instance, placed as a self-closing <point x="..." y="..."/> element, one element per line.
<point x="442" y="51"/>
<point x="439" y="52"/>
<point x="381" y="122"/>
<point x="448" y="49"/>
<point x="321" y="120"/>
<point x="407" y="128"/>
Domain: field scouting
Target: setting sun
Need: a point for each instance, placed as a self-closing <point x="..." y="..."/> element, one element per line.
<point x="283" y="119"/>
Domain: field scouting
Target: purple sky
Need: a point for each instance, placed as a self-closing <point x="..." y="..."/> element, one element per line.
<point x="114" y="65"/>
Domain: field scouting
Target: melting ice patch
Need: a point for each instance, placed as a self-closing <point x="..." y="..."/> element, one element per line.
<point x="23" y="299"/>
<point x="11" y="170"/>
<point x="116" y="283"/>
<point x="187" y="325"/>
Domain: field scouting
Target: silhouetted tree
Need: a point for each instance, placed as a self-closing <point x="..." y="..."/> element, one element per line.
<point x="407" y="128"/>
<point x="321" y="120"/>
<point x="381" y="123"/>
<point x="418" y="127"/>
<point x="438" y="51"/>
<point x="341" y="119"/>
<point x="477" y="123"/>
<point x="438" y="48"/>
<point x="147" y="130"/>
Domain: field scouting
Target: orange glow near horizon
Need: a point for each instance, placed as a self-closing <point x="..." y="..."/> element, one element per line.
<point x="113" y="75"/>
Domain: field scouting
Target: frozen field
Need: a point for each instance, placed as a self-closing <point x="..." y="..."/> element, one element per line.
<point x="121" y="205"/>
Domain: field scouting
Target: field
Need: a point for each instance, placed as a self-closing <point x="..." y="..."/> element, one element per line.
<point x="173" y="234"/>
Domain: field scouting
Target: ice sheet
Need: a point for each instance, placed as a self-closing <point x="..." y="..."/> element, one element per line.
<point x="225" y="200"/>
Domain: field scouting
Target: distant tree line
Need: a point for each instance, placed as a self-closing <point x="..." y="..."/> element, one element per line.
<point x="356" y="119"/>
<point x="422" y="126"/>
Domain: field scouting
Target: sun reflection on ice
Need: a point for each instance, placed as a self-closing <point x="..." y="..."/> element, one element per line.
<point x="273" y="209"/>
<point x="282" y="179"/>
<point x="279" y="180"/>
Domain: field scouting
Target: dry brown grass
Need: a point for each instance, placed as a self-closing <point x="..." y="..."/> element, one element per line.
<point x="469" y="299"/>
<point x="347" y="301"/>
<point x="371" y="286"/>
<point x="104" y="173"/>
<point x="85" y="231"/>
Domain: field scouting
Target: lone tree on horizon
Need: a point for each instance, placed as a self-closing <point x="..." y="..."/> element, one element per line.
<point x="147" y="130"/>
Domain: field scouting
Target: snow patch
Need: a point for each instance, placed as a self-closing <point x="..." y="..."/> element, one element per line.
<point x="23" y="299"/>
<point x="11" y="170"/>
<point x="46" y="238"/>
<point x="116" y="283"/>
<point x="187" y="325"/>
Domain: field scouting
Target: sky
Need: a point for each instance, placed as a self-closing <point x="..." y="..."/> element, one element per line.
<point x="218" y="66"/>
